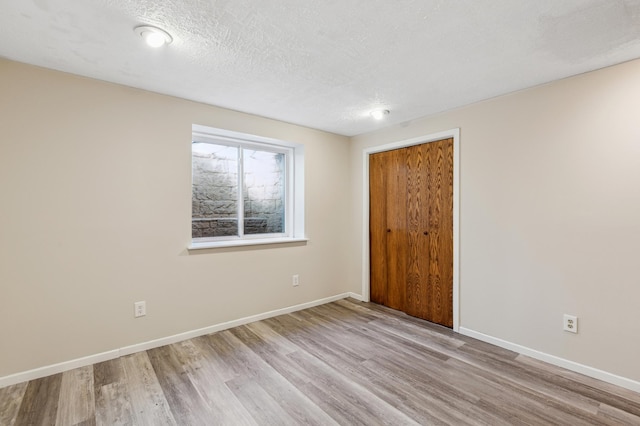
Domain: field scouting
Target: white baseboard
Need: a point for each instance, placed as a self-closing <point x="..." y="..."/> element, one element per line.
<point x="552" y="359"/>
<point x="48" y="370"/>
<point x="357" y="296"/>
<point x="127" y="350"/>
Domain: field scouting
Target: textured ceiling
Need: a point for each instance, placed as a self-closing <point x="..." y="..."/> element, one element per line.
<point x="326" y="63"/>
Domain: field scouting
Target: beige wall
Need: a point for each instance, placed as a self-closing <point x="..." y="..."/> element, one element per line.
<point x="550" y="215"/>
<point x="95" y="214"/>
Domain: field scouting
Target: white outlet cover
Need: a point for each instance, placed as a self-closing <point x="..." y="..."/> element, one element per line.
<point x="139" y="309"/>
<point x="570" y="323"/>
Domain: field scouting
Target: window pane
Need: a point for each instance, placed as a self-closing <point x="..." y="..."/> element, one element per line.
<point x="215" y="190"/>
<point x="264" y="192"/>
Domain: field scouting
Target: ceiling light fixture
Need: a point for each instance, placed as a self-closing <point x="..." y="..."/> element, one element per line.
<point x="153" y="36"/>
<point x="379" y="114"/>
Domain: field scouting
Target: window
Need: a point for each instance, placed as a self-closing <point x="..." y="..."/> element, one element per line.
<point x="245" y="189"/>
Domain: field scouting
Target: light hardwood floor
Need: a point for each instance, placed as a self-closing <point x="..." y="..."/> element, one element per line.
<point x="343" y="363"/>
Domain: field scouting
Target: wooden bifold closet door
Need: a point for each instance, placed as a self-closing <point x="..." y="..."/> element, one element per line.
<point x="411" y="230"/>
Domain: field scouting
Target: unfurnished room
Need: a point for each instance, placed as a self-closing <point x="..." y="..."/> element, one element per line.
<point x="412" y="212"/>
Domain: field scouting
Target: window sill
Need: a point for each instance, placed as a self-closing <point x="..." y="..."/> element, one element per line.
<point x="244" y="243"/>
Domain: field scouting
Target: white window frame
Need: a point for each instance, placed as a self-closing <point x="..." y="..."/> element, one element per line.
<point x="294" y="188"/>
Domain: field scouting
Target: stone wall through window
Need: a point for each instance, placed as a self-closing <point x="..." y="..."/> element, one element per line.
<point x="215" y="200"/>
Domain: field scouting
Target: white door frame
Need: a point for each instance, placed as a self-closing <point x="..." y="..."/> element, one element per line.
<point x="455" y="134"/>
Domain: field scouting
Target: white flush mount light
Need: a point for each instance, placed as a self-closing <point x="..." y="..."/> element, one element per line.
<point x="379" y="114"/>
<point x="153" y="36"/>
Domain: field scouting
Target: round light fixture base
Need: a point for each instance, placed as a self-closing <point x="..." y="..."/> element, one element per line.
<point x="379" y="114"/>
<point x="153" y="36"/>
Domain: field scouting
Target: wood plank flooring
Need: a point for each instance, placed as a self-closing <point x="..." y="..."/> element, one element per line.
<point x="346" y="363"/>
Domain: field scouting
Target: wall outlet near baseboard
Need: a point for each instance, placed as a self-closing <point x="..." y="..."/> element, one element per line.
<point x="296" y="280"/>
<point x="570" y="323"/>
<point x="139" y="309"/>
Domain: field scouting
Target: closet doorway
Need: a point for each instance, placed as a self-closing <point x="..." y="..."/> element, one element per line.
<point x="411" y="230"/>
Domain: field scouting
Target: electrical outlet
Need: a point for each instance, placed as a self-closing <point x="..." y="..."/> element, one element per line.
<point x="139" y="309"/>
<point x="570" y="323"/>
<point x="296" y="280"/>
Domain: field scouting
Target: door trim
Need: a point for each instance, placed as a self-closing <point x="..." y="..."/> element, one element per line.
<point x="447" y="134"/>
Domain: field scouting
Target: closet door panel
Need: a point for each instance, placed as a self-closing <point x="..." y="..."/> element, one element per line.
<point x="397" y="238"/>
<point x="378" y="227"/>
